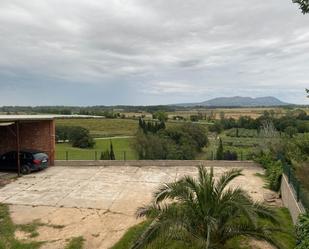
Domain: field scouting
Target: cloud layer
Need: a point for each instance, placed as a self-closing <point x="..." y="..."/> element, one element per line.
<point x="86" y="52"/>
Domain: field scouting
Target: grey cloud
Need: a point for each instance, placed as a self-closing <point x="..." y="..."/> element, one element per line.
<point x="152" y="49"/>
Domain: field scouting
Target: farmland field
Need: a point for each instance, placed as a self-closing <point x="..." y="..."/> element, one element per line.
<point x="229" y="112"/>
<point x="243" y="146"/>
<point x="100" y="128"/>
<point x="121" y="148"/>
<point x="104" y="127"/>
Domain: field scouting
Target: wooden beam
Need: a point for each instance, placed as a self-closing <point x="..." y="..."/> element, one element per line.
<point x="17" y="147"/>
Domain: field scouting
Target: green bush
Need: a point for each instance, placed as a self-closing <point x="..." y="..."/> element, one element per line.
<point x="302" y="232"/>
<point x="273" y="168"/>
<point x="77" y="136"/>
<point x="274" y="175"/>
<point x="181" y="142"/>
<point x="80" y="137"/>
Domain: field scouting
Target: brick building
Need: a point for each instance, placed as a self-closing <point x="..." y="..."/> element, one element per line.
<point x="18" y="132"/>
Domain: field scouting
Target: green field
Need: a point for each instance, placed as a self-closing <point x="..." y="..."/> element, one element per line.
<point x="104" y="127"/>
<point x="107" y="127"/>
<point x="101" y="128"/>
<point x="122" y="148"/>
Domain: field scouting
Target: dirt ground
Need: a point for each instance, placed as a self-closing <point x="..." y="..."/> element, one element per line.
<point x="97" y="203"/>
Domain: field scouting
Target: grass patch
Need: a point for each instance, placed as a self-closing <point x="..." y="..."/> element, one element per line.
<point x="120" y="146"/>
<point x="287" y="239"/>
<point x="131" y="235"/>
<point x="104" y="127"/>
<point x="31" y="228"/>
<point x="7" y="230"/>
<point x="75" y="243"/>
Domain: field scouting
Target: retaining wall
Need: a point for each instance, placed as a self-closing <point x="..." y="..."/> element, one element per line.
<point x="159" y="163"/>
<point x="289" y="199"/>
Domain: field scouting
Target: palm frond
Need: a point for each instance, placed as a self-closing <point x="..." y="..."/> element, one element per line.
<point x="204" y="212"/>
<point x="225" y="179"/>
<point x="151" y="233"/>
<point x="260" y="233"/>
<point x="176" y="190"/>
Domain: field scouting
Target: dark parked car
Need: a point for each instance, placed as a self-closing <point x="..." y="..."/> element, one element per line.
<point x="30" y="160"/>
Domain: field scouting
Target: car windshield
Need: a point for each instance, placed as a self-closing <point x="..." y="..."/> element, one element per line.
<point x="39" y="155"/>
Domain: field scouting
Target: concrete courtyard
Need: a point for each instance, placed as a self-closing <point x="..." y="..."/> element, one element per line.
<point x="97" y="202"/>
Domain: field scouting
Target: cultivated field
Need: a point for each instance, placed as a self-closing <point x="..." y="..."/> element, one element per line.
<point x="253" y="112"/>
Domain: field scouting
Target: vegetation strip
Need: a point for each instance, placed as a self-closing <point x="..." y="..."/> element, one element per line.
<point x="7" y="233"/>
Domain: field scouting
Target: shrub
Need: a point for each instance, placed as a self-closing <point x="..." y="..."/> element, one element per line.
<point x="216" y="127"/>
<point x="77" y="136"/>
<point x="302" y="232"/>
<point x="105" y="155"/>
<point x="181" y="142"/>
<point x="161" y="116"/>
<point x="274" y="175"/>
<point x="230" y="156"/>
<point x="273" y="168"/>
<point x="290" y="131"/>
<point x="80" y="137"/>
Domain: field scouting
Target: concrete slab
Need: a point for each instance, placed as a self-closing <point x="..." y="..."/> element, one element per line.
<point x="97" y="202"/>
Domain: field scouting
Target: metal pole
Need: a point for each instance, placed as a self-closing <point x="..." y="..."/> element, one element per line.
<point x="124" y="155"/>
<point x="67" y="155"/>
<point x="17" y="148"/>
<point x="96" y="155"/>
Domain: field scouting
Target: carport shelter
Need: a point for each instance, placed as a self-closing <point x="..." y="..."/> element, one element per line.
<point x="36" y="132"/>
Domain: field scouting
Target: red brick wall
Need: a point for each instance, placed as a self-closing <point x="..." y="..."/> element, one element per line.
<point x="39" y="135"/>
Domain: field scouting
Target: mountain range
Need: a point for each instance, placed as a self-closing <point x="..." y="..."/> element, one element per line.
<point x="238" y="101"/>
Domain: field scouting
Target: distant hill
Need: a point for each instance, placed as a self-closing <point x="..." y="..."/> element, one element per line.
<point x="238" y="102"/>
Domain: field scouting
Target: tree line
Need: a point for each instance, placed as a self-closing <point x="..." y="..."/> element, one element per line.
<point x="295" y="120"/>
<point x="155" y="141"/>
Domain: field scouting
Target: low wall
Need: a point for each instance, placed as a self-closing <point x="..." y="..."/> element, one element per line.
<point x="289" y="199"/>
<point x="159" y="163"/>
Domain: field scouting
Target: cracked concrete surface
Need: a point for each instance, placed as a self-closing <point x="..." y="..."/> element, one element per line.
<point x="97" y="203"/>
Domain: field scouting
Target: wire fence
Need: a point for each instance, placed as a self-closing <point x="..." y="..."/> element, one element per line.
<point x="93" y="155"/>
<point x="240" y="156"/>
<point x="132" y="155"/>
<point x="301" y="194"/>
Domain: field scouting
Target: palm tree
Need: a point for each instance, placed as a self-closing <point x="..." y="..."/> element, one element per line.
<point x="204" y="213"/>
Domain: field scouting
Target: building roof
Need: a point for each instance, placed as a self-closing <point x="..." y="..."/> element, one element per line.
<point x="13" y="118"/>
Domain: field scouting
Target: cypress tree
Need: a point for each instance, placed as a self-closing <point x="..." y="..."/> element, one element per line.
<point x="220" y="150"/>
<point x="105" y="155"/>
<point x="112" y="154"/>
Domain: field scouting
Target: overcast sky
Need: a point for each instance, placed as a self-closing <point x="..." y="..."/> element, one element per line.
<point x="107" y="52"/>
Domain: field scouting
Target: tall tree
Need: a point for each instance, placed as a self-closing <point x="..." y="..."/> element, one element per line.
<point x="112" y="154"/>
<point x="205" y="213"/>
<point x="304" y="5"/>
<point x="220" y="150"/>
